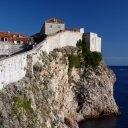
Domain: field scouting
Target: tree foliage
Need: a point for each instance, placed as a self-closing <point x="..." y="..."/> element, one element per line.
<point x="91" y="58"/>
<point x="38" y="37"/>
<point x="74" y="61"/>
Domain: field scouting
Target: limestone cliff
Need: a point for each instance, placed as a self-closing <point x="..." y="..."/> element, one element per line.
<point x="53" y="95"/>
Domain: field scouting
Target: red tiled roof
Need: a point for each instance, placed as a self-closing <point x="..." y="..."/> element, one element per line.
<point x="8" y="34"/>
<point x="15" y="37"/>
<point x="54" y="20"/>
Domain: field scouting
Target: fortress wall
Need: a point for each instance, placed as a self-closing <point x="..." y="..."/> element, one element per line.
<point x="13" y="68"/>
<point x="67" y="38"/>
<point x="95" y="42"/>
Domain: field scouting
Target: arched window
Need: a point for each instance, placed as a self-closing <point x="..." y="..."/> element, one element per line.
<point x="4" y="39"/>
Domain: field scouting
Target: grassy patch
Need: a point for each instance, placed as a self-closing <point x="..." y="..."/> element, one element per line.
<point x="23" y="102"/>
<point x="74" y="61"/>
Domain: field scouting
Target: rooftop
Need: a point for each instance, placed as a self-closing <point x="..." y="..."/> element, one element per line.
<point x="54" y="20"/>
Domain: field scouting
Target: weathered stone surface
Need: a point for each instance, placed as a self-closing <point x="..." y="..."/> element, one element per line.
<point x="52" y="96"/>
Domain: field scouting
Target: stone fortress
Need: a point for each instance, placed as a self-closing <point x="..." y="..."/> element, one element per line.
<point x="14" y="67"/>
<point x="54" y="25"/>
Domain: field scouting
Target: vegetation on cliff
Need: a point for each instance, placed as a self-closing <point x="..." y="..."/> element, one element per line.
<point x="74" y="61"/>
<point x="91" y="58"/>
<point x="84" y="57"/>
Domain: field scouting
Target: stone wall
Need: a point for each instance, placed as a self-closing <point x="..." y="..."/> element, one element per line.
<point x="14" y="68"/>
<point x="93" y="40"/>
<point x="51" y="28"/>
<point x="66" y="38"/>
<point x="4" y="49"/>
<point x="7" y="49"/>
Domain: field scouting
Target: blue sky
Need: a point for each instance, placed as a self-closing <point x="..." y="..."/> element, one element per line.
<point x="108" y="18"/>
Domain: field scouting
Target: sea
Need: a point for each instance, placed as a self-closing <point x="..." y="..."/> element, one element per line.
<point x="121" y="98"/>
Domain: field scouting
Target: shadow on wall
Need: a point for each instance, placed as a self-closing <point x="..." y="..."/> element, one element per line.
<point x="39" y="37"/>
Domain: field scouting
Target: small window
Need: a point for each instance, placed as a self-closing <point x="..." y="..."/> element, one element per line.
<point x="58" y="26"/>
<point x="50" y="26"/>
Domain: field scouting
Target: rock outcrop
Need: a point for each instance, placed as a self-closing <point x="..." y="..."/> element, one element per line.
<point x="53" y="95"/>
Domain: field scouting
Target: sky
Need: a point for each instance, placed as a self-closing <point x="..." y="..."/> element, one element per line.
<point x="107" y="18"/>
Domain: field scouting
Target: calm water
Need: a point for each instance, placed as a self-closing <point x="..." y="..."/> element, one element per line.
<point x="121" y="97"/>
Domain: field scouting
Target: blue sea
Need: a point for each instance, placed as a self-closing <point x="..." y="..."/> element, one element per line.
<point x="121" y="98"/>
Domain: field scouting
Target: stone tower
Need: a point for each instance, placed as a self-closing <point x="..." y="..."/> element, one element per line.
<point x="52" y="26"/>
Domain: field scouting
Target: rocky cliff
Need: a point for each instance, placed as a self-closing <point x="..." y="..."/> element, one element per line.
<point x="54" y="95"/>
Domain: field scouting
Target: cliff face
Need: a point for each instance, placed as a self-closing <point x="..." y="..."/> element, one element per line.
<point x="53" y="95"/>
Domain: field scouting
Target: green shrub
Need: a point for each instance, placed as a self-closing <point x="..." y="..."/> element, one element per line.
<point x="91" y="58"/>
<point x="26" y="104"/>
<point x="23" y="102"/>
<point x="83" y="46"/>
<point x="79" y="44"/>
<point x="74" y="61"/>
<point x="37" y="67"/>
